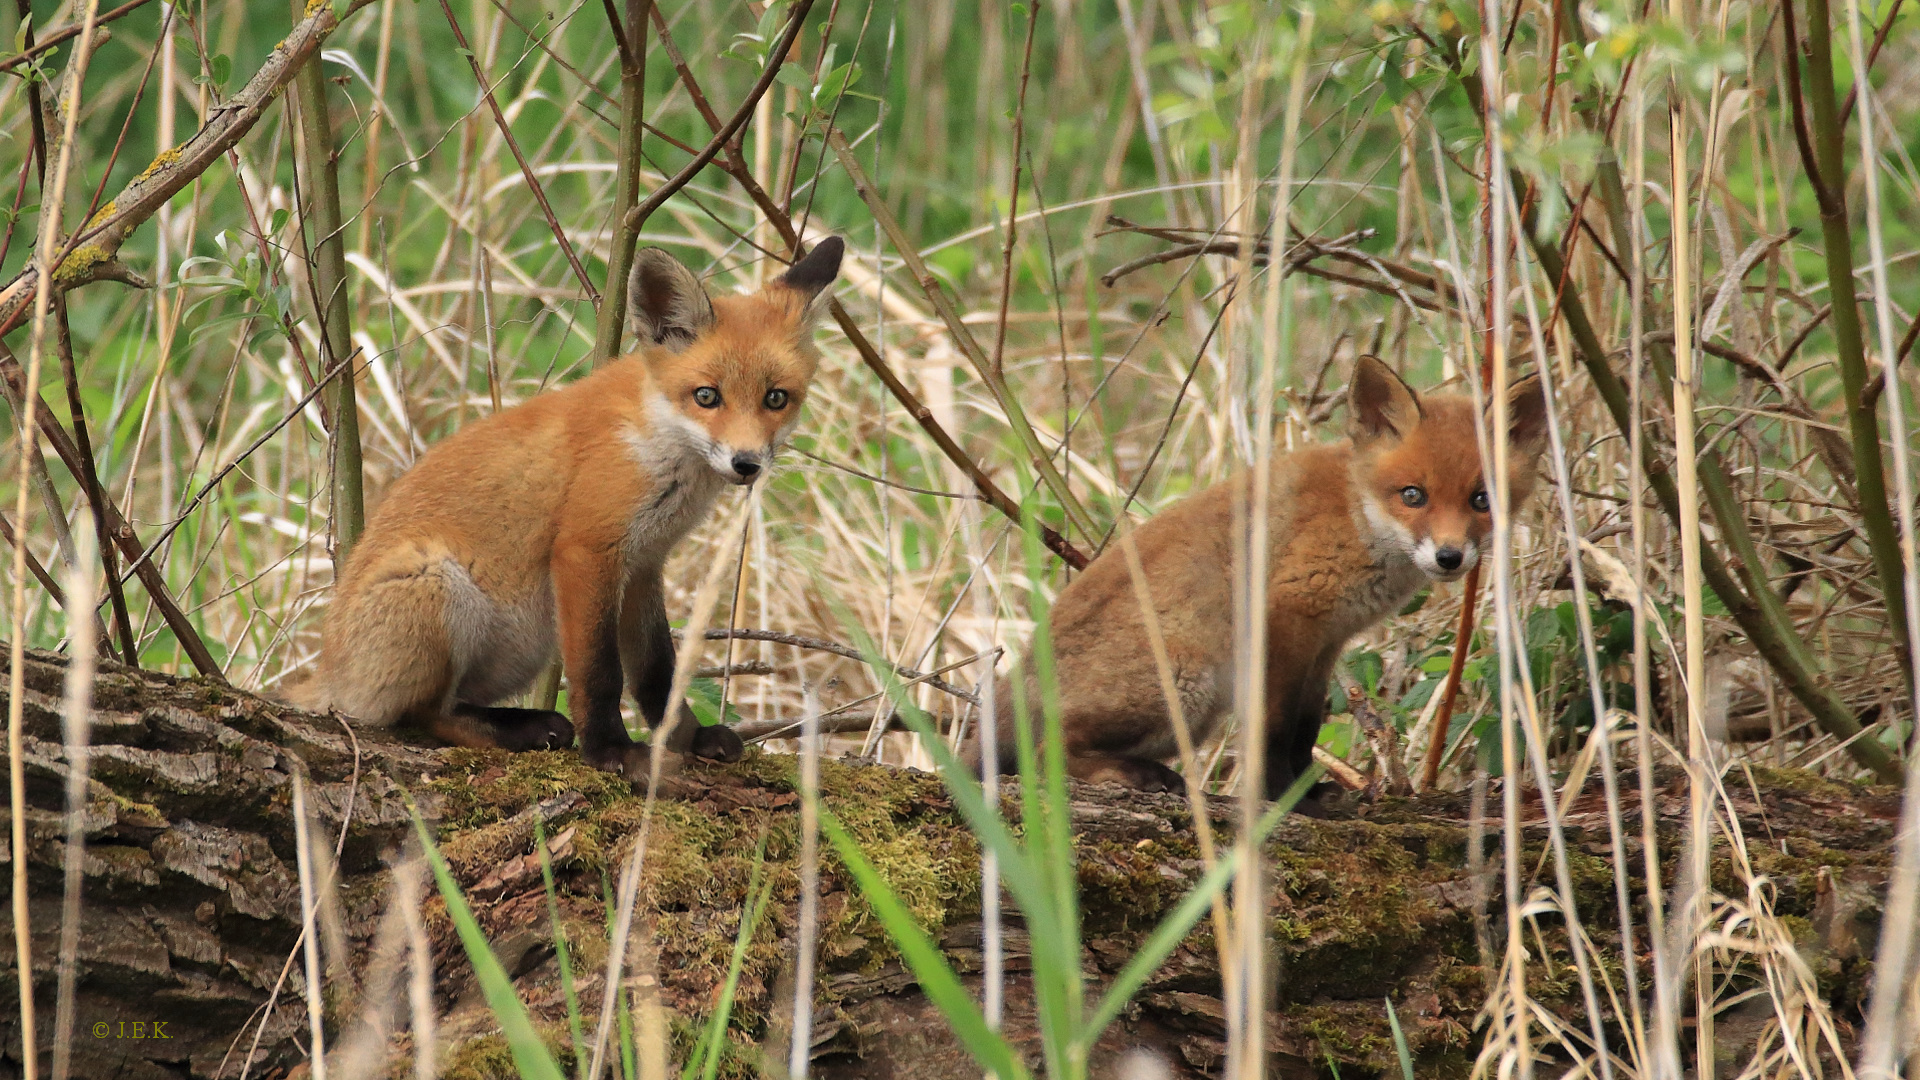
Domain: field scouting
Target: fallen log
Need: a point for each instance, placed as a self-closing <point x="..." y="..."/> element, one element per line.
<point x="191" y="908"/>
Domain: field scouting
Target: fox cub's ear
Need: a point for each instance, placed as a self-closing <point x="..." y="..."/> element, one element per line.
<point x="812" y="274"/>
<point x="1527" y="416"/>
<point x="667" y="302"/>
<point x="1380" y="404"/>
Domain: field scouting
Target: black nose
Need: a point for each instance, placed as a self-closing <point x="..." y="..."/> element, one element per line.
<point x="746" y="466"/>
<point x="1449" y="558"/>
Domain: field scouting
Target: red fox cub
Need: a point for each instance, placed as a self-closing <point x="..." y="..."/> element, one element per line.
<point x="1355" y="527"/>
<point x="552" y="520"/>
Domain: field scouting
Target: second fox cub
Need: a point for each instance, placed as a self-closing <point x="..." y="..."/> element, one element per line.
<point x="1354" y="528"/>
<point x="552" y="521"/>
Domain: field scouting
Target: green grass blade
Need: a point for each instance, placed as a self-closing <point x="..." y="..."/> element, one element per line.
<point x="530" y="1057"/>
<point x="562" y="956"/>
<point x="935" y="976"/>
<point x="1053" y="948"/>
<point x="1059" y="984"/>
<point x="1164" y="939"/>
<point x="624" y="1011"/>
<point x="1022" y="878"/>
<point x="706" y="1058"/>
<point x="1400" y="1042"/>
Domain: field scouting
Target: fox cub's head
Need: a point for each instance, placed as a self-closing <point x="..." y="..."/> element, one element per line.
<point x="732" y="371"/>
<point x="1416" y="465"/>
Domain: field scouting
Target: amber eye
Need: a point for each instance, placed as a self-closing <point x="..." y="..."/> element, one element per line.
<point x="707" y="397"/>
<point x="776" y="400"/>
<point x="1479" y="501"/>
<point x="1413" y="495"/>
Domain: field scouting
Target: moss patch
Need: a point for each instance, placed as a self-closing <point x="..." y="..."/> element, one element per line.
<point x="700" y="860"/>
<point x="488" y="1058"/>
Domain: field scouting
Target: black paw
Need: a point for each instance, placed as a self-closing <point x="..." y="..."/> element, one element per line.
<point x="1311" y="807"/>
<point x="1153" y="776"/>
<point x="536" y="730"/>
<point x="610" y="757"/>
<point x="1139" y="774"/>
<point x="718" y="743"/>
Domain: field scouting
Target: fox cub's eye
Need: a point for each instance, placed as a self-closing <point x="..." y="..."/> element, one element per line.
<point x="776" y="399"/>
<point x="1413" y="495"/>
<point x="707" y="397"/>
<point x="1479" y="501"/>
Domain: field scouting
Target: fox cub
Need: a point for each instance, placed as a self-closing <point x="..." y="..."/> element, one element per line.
<point x="550" y="522"/>
<point x="1354" y="528"/>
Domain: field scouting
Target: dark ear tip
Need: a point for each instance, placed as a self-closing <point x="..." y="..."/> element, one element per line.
<point x="819" y="268"/>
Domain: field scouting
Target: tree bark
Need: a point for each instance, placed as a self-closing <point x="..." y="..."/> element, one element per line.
<point x="192" y="905"/>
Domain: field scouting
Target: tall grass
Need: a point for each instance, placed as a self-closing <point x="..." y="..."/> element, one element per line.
<point x="1704" y="497"/>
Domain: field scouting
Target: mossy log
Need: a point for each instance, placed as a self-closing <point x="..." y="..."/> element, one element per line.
<point x="192" y="900"/>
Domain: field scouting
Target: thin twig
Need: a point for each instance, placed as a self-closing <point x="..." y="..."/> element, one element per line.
<point x="91" y="253"/>
<point x="526" y="171"/>
<point x="90" y="485"/>
<point x="118" y="528"/>
<point x="637" y="217"/>
<point x="67" y="33"/>
<point x="782" y="223"/>
<point x="801" y="641"/>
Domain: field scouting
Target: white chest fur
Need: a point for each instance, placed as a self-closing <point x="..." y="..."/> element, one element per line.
<point x="680" y="493"/>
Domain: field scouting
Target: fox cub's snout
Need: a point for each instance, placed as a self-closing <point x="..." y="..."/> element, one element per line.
<point x="730" y="391"/>
<point x="1417" y="468"/>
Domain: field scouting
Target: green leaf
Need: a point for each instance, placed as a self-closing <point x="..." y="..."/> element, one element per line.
<point x="929" y="967"/>
<point x="278" y="221"/>
<point x="794" y="76"/>
<point x="770" y="20"/>
<point x="530" y="1057"/>
<point x="211" y="325"/>
<point x="704" y="697"/>
<point x="1419" y="600"/>
<point x="1017" y="869"/>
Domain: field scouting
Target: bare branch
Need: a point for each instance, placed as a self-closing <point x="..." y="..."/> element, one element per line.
<point x="66" y="33"/>
<point x="92" y="253"/>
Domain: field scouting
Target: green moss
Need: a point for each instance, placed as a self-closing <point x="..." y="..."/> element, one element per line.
<point x="488" y="1058"/>
<point x="129" y="812"/>
<point x="1801" y="781"/>
<point x="1333" y="945"/>
<point x="739" y="1059"/>
<point x="700" y="860"/>
<point x="481" y="787"/>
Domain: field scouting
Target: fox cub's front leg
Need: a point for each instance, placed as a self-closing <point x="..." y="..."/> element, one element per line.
<point x="599" y="629"/>
<point x="646" y="650"/>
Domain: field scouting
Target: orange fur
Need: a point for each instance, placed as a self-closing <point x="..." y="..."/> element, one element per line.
<point x="550" y="523"/>
<point x="1347" y="548"/>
